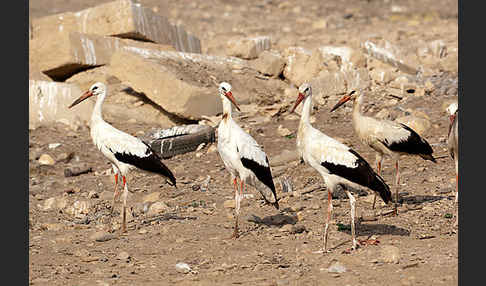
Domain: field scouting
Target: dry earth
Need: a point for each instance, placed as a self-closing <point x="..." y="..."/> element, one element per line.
<point x="196" y="225"/>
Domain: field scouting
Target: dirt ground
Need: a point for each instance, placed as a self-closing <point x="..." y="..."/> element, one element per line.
<point x="195" y="228"/>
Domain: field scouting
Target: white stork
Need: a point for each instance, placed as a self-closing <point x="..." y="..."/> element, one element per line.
<point x="387" y="138"/>
<point x="336" y="163"/>
<point x="242" y="156"/>
<point x="124" y="151"/>
<point x="453" y="146"/>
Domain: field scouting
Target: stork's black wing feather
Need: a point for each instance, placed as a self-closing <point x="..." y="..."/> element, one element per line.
<point x="362" y="174"/>
<point x="151" y="162"/>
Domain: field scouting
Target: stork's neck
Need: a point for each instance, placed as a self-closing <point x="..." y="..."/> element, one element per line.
<point x="227" y="108"/>
<point x="306" y="110"/>
<point x="357" y="108"/>
<point x="97" y="108"/>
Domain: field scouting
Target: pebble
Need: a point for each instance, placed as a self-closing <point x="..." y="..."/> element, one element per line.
<point x="123" y="255"/>
<point x="336" y="267"/>
<point x="46" y="159"/>
<point x="54" y="145"/>
<point x="390" y="254"/>
<point x="182" y="267"/>
<point x="157" y="208"/>
<point x="283" y="131"/>
<point x="101" y="236"/>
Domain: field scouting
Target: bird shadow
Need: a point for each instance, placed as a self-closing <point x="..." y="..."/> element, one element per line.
<point x="420" y="199"/>
<point x="376" y="229"/>
<point x="273" y="220"/>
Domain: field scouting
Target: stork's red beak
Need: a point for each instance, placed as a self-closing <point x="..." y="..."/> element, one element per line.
<point x="452" y="117"/>
<point x="342" y="101"/>
<point x="85" y="95"/>
<point x="298" y="101"/>
<point x="229" y="95"/>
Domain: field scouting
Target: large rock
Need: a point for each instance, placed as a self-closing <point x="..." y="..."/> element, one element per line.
<point x="269" y="63"/>
<point x="71" y="52"/>
<point x="49" y="101"/>
<point x="247" y="48"/>
<point x="301" y="64"/>
<point x="122" y="18"/>
<point x="170" y="84"/>
<point x="349" y="58"/>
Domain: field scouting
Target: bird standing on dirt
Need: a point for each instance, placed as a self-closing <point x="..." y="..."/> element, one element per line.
<point x="336" y="163"/>
<point x="386" y="137"/>
<point x="453" y="147"/>
<point x="242" y="156"/>
<point x="124" y="151"/>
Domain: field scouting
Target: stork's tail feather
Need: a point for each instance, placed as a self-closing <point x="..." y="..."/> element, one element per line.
<point x="378" y="185"/>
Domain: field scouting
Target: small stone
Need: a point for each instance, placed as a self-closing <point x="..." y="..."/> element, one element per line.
<point x="182" y="267"/>
<point x="336" y="267"/>
<point x="390" y="254"/>
<point x="283" y="131"/>
<point x="297" y="207"/>
<point x="297" y="229"/>
<point x="123" y="255"/>
<point x="157" y="208"/>
<point x="53" y="226"/>
<point x="101" y="236"/>
<point x="46" y="159"/>
<point x="54" y="145"/>
<point x="81" y="253"/>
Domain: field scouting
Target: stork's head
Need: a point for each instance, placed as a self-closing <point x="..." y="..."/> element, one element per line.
<point x="305" y="90"/>
<point x="225" y="92"/>
<point x="353" y="95"/>
<point x="96" y="89"/>
<point x="451" y="109"/>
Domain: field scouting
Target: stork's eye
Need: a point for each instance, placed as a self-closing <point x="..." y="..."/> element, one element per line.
<point x="95" y="87"/>
<point x="223" y="88"/>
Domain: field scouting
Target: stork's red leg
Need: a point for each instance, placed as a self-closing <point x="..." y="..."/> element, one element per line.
<point x="235" y="233"/>
<point x="397" y="184"/>
<point x="379" y="173"/>
<point x="115" y="193"/>
<point x="352" y="202"/>
<point x="328" y="219"/>
<point x="125" y="194"/>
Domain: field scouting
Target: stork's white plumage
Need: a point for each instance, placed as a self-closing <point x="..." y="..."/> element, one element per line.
<point x="453" y="146"/>
<point x="242" y="156"/>
<point x="336" y="163"/>
<point x="124" y="151"/>
<point x="388" y="138"/>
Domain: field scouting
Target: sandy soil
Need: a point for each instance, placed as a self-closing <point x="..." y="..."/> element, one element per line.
<point x="194" y="230"/>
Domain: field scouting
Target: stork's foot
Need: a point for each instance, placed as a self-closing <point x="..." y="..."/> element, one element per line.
<point x="349" y="250"/>
<point x="235" y="234"/>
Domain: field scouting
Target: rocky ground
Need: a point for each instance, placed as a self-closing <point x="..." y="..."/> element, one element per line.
<point x="179" y="236"/>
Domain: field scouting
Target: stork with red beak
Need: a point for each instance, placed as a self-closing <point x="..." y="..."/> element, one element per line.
<point x="386" y="137"/>
<point x="124" y="151"/>
<point x="242" y="156"/>
<point x="336" y="163"/>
